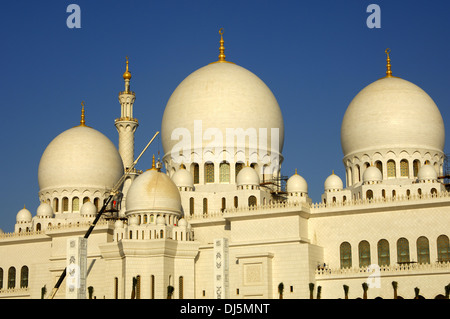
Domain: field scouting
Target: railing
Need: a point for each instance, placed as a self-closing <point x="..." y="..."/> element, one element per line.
<point x="66" y="225"/>
<point x="350" y="272"/>
<point x="249" y="209"/>
<point x="11" y="291"/>
<point x="381" y="200"/>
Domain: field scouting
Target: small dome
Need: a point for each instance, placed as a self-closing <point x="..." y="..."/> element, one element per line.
<point x="23" y="216"/>
<point x="296" y="184"/>
<point x="88" y="209"/>
<point x="247" y="176"/>
<point x="182" y="222"/>
<point x="160" y="220"/>
<point x="333" y="182"/>
<point x="372" y="174"/>
<point x="44" y="210"/>
<point x="427" y="172"/>
<point x="183" y="178"/>
<point x="153" y="191"/>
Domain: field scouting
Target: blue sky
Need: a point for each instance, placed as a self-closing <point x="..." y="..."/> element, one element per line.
<point x="315" y="56"/>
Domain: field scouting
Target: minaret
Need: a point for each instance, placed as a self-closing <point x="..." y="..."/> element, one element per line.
<point x="126" y="125"/>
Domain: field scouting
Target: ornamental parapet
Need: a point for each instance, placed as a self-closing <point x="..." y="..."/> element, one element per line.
<point x="129" y="119"/>
<point x="396" y="269"/>
<point x="380" y="201"/>
<point x="14" y="292"/>
<point x="266" y="208"/>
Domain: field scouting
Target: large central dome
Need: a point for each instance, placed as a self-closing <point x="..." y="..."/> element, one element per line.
<point x="221" y="95"/>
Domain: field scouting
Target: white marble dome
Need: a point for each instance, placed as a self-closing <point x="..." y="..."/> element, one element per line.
<point x="222" y="96"/>
<point x="392" y="113"/>
<point x="44" y="210"/>
<point x="153" y="191"/>
<point x="333" y="182"/>
<point x="372" y="174"/>
<point x="88" y="209"/>
<point x="296" y="184"/>
<point x="247" y="176"/>
<point x="23" y="216"/>
<point x="183" y="178"/>
<point x="80" y="157"/>
<point x="427" y="173"/>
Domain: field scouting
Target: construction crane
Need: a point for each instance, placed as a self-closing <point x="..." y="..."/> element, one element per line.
<point x="114" y="191"/>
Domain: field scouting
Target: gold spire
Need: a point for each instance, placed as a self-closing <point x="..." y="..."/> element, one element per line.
<point x="222" y="48"/>
<point x="388" y="64"/>
<point x="295" y="172"/>
<point x="153" y="164"/>
<point x="82" y="122"/>
<point x="127" y="74"/>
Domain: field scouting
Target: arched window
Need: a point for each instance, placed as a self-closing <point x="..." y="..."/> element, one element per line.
<point x="191" y="206"/>
<point x="24" y="277"/>
<point x="224" y="172"/>
<point x="180" y="287"/>
<point x="152" y="287"/>
<point x="1" y="278"/>
<point x="238" y="168"/>
<point x="161" y="233"/>
<point x="252" y="201"/>
<point x="195" y="172"/>
<point x="97" y="203"/>
<point x="369" y="194"/>
<point x="85" y="200"/>
<point x="433" y="191"/>
<point x="346" y="255"/>
<point x="357" y="174"/>
<point x="383" y="253"/>
<point x="65" y="204"/>
<point x="209" y="172"/>
<point x="138" y="287"/>
<point x="379" y="165"/>
<point x="423" y="250"/>
<point x="402" y="250"/>
<point x="56" y="205"/>
<point x="236" y="202"/>
<point x="383" y="193"/>
<point x="443" y="248"/>
<point x="38" y="226"/>
<point x="391" y="168"/>
<point x="404" y="168"/>
<point x="224" y="204"/>
<point x="205" y="206"/>
<point x="116" y="288"/>
<point x="364" y="253"/>
<point x="75" y="204"/>
<point x="416" y="166"/>
<point x="11" y="278"/>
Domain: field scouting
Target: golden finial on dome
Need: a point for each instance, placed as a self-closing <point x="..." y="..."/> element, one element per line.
<point x="153" y="164"/>
<point x="222" y="48"/>
<point x="295" y="172"/>
<point x="127" y="74"/>
<point x="83" y="121"/>
<point x="388" y="64"/>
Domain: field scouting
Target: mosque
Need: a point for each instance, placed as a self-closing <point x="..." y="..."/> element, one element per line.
<point x="214" y="220"/>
